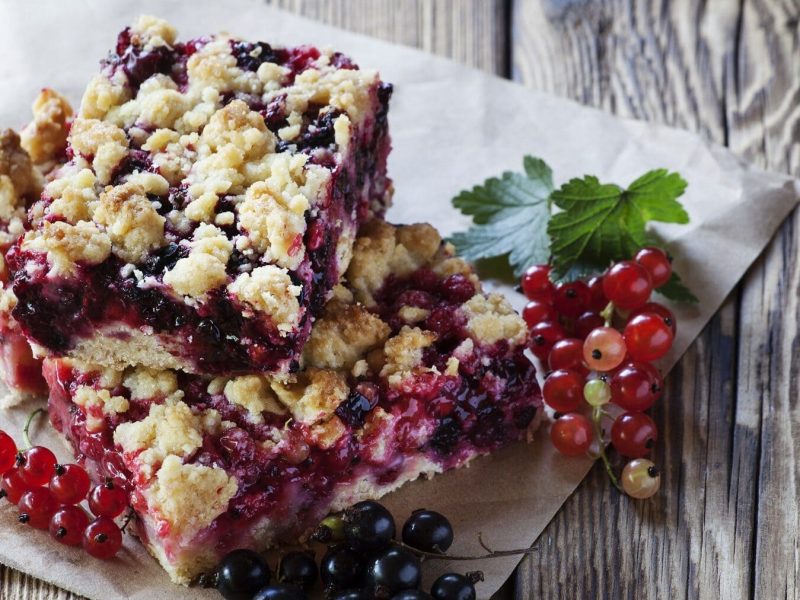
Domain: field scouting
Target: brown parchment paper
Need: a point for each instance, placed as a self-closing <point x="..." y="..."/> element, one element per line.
<point x="452" y="126"/>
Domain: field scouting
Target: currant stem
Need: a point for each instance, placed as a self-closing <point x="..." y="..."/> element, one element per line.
<point x="608" y="314"/>
<point x="26" y="430"/>
<point x="128" y="518"/>
<point x="597" y="414"/>
<point x="443" y="556"/>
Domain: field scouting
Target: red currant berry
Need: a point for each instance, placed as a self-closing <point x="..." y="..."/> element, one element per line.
<point x="107" y="500"/>
<point x="13" y="486"/>
<point x="70" y="484"/>
<point x="68" y="524"/>
<point x="634" y="388"/>
<point x="655" y="375"/>
<point x="647" y="337"/>
<point x="657" y="263"/>
<point x="660" y="310"/>
<point x="8" y="453"/>
<point x="543" y="336"/>
<point x="102" y="538"/>
<point x="634" y="434"/>
<point x="572" y="434"/>
<point x="37" y="466"/>
<point x="536" y="284"/>
<point x="571" y="299"/>
<point x="627" y="284"/>
<point x="36" y="507"/>
<point x="586" y="323"/>
<point x="604" y="349"/>
<point x="563" y="390"/>
<point x="597" y="297"/>
<point x="536" y="312"/>
<point x="567" y="354"/>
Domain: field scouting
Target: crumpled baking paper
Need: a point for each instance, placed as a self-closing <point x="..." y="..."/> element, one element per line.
<point x="452" y="127"/>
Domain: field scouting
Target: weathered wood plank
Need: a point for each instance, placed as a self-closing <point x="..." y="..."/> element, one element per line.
<point x="725" y="524"/>
<point x="18" y="586"/>
<point x="469" y="31"/>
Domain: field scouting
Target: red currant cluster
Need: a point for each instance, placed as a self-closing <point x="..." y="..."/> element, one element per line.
<point x="599" y="338"/>
<point x="48" y="495"/>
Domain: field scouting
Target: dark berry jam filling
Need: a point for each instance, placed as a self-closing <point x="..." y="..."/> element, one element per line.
<point x="438" y="418"/>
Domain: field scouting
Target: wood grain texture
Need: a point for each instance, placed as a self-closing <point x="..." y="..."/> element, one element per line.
<point x="472" y="32"/>
<point x="726" y="523"/>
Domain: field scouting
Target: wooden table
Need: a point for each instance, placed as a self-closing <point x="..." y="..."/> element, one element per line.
<point x="726" y="522"/>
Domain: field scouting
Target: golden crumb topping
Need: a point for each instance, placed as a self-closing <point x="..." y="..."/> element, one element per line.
<point x="145" y="383"/>
<point x="413" y="314"/>
<point x="97" y="403"/>
<point x="269" y="290"/>
<point x="16" y="166"/>
<point x="45" y="138"/>
<point x="189" y="497"/>
<point x="103" y="95"/>
<point x="153" y="32"/>
<point x="382" y="249"/>
<point x="344" y="334"/>
<point x="170" y="429"/>
<point x="403" y="353"/>
<point x="314" y="396"/>
<point x="134" y="226"/>
<point x="102" y="143"/>
<point x="66" y="244"/>
<point x="12" y="212"/>
<point x="491" y="319"/>
<point x="204" y="269"/>
<point x="73" y="193"/>
<point x="253" y="393"/>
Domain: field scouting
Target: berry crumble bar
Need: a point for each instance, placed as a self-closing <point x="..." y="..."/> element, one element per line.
<point x="209" y="206"/>
<point x="27" y="161"/>
<point x="410" y="370"/>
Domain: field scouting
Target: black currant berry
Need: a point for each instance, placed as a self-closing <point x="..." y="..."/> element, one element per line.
<point x="368" y="526"/>
<point x="352" y="595"/>
<point x="280" y="591"/>
<point x="241" y="574"/>
<point x="298" y="568"/>
<point x="453" y="586"/>
<point x="428" y="531"/>
<point x="394" y="570"/>
<point x="341" y="568"/>
<point x="412" y="595"/>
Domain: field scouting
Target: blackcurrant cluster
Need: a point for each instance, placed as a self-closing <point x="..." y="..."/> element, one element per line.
<point x="599" y="338"/>
<point x="363" y="561"/>
<point x="49" y="495"/>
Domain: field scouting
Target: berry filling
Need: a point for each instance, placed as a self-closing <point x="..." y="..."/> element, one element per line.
<point x="335" y="436"/>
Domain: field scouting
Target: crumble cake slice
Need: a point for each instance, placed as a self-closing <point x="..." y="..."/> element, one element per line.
<point x="27" y="161"/>
<point x="410" y="371"/>
<point x="211" y="200"/>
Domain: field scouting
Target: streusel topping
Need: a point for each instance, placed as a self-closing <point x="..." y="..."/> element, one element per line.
<point x="45" y="137"/>
<point x="171" y="139"/>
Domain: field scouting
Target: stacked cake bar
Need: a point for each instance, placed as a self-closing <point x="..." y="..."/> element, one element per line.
<point x="230" y="330"/>
<point x="210" y="203"/>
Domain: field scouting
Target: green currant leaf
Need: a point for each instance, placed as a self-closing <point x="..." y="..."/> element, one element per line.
<point x="603" y="223"/>
<point x="510" y="217"/>
<point x="676" y="291"/>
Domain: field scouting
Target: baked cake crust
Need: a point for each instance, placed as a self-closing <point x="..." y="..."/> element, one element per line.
<point x="410" y="370"/>
<point x="210" y="202"/>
